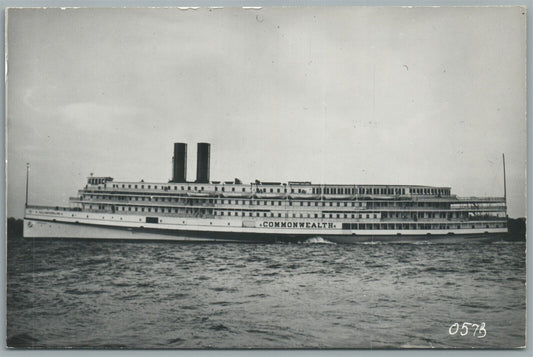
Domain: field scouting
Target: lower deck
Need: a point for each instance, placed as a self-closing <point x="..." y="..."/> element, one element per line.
<point x="275" y="225"/>
<point x="95" y="226"/>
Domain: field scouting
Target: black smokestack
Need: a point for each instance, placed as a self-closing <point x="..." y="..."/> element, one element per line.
<point x="202" y="166"/>
<point x="179" y="163"/>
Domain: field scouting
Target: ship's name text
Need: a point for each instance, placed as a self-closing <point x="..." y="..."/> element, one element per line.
<point x="309" y="225"/>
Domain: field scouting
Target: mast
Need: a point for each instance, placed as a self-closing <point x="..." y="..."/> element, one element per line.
<point x="27" y="180"/>
<point x="504" y="181"/>
<point x="505" y="189"/>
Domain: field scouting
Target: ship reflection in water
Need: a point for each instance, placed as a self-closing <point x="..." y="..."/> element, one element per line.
<point x="75" y="293"/>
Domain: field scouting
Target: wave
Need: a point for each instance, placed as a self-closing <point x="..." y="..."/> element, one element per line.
<point x="317" y="240"/>
<point x="219" y="327"/>
<point x="23" y="340"/>
<point x="507" y="242"/>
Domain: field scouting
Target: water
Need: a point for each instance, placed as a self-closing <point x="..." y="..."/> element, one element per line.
<point x="170" y="295"/>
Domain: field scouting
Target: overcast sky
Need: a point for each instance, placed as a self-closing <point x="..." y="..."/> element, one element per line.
<point x="428" y="96"/>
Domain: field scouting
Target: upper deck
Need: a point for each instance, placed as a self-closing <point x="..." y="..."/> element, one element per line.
<point x="267" y="189"/>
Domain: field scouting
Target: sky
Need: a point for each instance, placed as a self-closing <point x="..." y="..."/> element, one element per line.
<point x="361" y="95"/>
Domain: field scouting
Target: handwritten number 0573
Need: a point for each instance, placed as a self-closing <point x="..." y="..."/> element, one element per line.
<point x="478" y="329"/>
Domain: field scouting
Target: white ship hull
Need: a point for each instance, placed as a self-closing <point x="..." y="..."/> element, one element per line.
<point x="47" y="229"/>
<point x="106" y="226"/>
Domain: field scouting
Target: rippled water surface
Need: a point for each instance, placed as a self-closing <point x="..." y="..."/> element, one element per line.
<point x="64" y="293"/>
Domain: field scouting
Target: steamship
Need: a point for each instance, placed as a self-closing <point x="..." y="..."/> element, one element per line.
<point x="264" y="211"/>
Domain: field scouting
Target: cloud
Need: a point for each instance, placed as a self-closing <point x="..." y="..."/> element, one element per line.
<point x="321" y="94"/>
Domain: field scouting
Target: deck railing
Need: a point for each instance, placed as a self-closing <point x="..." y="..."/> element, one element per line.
<point x="55" y="208"/>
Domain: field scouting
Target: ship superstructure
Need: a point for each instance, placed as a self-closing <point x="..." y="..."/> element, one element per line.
<point x="265" y="211"/>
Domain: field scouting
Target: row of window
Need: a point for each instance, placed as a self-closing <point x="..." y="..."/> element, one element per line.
<point x="391" y="226"/>
<point x="424" y="214"/>
<point x="202" y="212"/>
<point x="98" y="180"/>
<point x="385" y="226"/>
<point x="415" y="226"/>
<point x="292" y="203"/>
<point x="152" y="209"/>
<point x="368" y="205"/>
<point x="314" y="190"/>
<point x="293" y="215"/>
<point x="359" y="190"/>
<point x="235" y="213"/>
<point x="228" y="201"/>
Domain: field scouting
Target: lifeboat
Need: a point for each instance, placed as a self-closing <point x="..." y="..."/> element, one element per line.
<point x="338" y="197"/>
<point x="270" y="195"/>
<point x="236" y="194"/>
<point x="200" y="194"/>
<point x="305" y="196"/>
